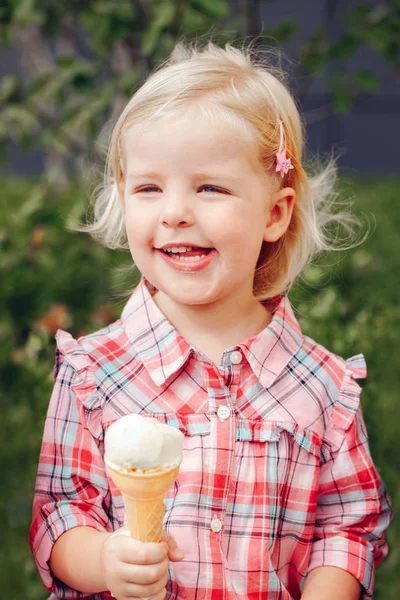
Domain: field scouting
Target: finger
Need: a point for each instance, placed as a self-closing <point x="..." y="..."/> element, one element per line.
<point x="145" y="591"/>
<point x="160" y="596"/>
<point x="127" y="595"/>
<point x="174" y="552"/>
<point x="144" y="574"/>
<point x="144" y="553"/>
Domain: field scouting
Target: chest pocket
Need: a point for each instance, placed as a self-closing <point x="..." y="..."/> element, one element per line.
<point x="275" y="479"/>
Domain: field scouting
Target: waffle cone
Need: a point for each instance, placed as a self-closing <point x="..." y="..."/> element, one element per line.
<point x="144" y="495"/>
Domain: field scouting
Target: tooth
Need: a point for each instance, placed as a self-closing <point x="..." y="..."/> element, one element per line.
<point x="189" y="258"/>
<point x="180" y="249"/>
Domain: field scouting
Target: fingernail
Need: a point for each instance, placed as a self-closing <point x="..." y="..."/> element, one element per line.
<point x="180" y="554"/>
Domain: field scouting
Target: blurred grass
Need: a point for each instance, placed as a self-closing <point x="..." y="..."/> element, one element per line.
<point x="52" y="277"/>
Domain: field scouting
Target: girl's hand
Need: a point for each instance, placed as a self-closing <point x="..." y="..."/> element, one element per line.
<point x="135" y="569"/>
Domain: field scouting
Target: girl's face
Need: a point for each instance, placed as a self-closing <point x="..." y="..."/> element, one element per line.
<point x="194" y="185"/>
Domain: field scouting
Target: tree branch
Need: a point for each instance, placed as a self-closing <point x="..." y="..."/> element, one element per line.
<point x="252" y="18"/>
<point x="307" y="78"/>
<point x="133" y="43"/>
<point x="175" y="26"/>
<point x="141" y="15"/>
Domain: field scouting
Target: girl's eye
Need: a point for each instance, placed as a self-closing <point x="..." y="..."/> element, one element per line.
<point x="149" y="189"/>
<point x="212" y="188"/>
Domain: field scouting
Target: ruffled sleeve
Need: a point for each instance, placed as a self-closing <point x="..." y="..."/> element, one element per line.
<point x="71" y="486"/>
<point x="353" y="509"/>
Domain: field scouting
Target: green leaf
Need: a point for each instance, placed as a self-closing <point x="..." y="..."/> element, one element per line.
<point x="342" y="100"/>
<point x="107" y="23"/>
<point x="359" y="15"/>
<point x="6" y="13"/>
<point x="314" y="53"/>
<point x="19" y="118"/>
<point x="376" y="39"/>
<point x="26" y="13"/>
<point x="9" y="86"/>
<point x="51" y="139"/>
<point x="129" y="81"/>
<point x="285" y="31"/>
<point x="38" y="85"/>
<point x="5" y="35"/>
<point x="121" y="9"/>
<point x="345" y="48"/>
<point x="392" y="52"/>
<point x="163" y="14"/>
<point x="214" y="9"/>
<point x="366" y="81"/>
<point x="65" y="62"/>
<point x="381" y="13"/>
<point x="82" y="75"/>
<point x="341" y="86"/>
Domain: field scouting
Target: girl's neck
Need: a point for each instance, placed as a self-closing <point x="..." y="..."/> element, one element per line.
<point x="214" y="328"/>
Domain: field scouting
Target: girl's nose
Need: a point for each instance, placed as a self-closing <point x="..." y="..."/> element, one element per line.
<point x="176" y="211"/>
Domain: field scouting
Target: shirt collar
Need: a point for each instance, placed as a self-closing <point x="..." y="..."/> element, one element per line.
<point x="274" y="347"/>
<point x="164" y="351"/>
<point x="159" y="345"/>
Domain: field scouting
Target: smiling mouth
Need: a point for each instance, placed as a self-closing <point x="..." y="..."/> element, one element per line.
<point x="191" y="261"/>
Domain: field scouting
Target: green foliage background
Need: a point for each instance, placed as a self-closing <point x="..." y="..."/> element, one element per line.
<point x="53" y="277"/>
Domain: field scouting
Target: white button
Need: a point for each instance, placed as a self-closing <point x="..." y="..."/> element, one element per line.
<point x="216" y="525"/>
<point x="236" y="357"/>
<point x="224" y="412"/>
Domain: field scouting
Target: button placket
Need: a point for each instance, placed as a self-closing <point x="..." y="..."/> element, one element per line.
<point x="222" y="446"/>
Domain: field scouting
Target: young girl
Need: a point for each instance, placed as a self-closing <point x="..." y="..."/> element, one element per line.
<point x="277" y="496"/>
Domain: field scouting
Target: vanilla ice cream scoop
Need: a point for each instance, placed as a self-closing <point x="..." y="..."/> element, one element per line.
<point x="142" y="444"/>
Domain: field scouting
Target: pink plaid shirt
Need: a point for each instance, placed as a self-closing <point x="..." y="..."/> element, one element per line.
<point x="276" y="479"/>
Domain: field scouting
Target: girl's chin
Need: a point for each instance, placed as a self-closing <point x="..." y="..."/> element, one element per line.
<point x="198" y="295"/>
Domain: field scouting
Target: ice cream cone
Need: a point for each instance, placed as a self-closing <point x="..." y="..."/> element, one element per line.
<point x="144" y="495"/>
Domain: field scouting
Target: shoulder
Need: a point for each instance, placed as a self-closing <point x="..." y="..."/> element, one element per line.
<point x="334" y="380"/>
<point x="83" y="363"/>
<point x="337" y="375"/>
<point x="91" y="350"/>
<point x="329" y="365"/>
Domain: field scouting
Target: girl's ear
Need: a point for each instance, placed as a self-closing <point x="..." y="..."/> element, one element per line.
<point x="279" y="213"/>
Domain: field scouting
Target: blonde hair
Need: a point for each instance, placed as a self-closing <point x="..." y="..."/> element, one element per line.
<point x="238" y="85"/>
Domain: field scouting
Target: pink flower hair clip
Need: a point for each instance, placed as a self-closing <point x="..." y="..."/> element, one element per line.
<point x="283" y="164"/>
